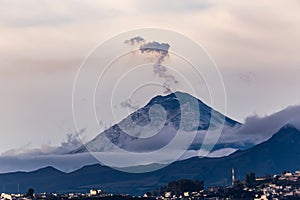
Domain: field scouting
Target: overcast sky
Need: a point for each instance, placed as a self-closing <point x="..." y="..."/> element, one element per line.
<point x="255" y="44"/>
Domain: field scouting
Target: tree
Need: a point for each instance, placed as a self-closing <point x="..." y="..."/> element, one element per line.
<point x="184" y="185"/>
<point x="155" y="192"/>
<point x="250" y="181"/>
<point x="162" y="190"/>
<point x="238" y="185"/>
<point x="30" y="193"/>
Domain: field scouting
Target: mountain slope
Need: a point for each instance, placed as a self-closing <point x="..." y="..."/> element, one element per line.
<point x="178" y="106"/>
<point x="279" y="153"/>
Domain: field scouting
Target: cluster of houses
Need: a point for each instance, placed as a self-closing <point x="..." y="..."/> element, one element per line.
<point x="5" y="196"/>
<point x="277" y="187"/>
<point x="286" y="186"/>
<point x="93" y="193"/>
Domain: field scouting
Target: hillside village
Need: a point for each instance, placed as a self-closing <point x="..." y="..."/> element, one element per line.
<point x="275" y="187"/>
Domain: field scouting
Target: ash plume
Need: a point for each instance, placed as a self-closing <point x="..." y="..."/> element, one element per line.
<point x="161" y="48"/>
<point x="132" y="41"/>
<point x="162" y="51"/>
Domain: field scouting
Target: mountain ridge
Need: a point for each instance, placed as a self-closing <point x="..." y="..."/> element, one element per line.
<point x="281" y="152"/>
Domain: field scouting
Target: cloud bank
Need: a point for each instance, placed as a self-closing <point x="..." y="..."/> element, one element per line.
<point x="257" y="129"/>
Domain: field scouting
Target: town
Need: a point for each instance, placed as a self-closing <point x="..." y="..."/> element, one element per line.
<point x="268" y="187"/>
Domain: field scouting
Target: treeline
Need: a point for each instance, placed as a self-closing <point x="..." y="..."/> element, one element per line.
<point x="178" y="187"/>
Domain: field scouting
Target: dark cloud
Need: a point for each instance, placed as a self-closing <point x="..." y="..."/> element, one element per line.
<point x="161" y="48"/>
<point x="134" y="40"/>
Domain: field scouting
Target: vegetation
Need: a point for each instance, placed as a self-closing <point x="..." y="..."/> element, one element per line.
<point x="180" y="186"/>
<point x="30" y="193"/>
<point x="250" y="181"/>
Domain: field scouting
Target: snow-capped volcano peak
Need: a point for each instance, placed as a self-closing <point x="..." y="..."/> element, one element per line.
<point x="159" y="120"/>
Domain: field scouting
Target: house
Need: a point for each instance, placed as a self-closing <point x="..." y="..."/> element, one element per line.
<point x="6" y="196"/>
<point x="167" y="194"/>
<point x="262" y="197"/>
<point x="93" y="192"/>
<point x="186" y="194"/>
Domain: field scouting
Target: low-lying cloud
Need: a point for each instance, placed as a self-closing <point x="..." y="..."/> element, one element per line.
<point x="71" y="142"/>
<point x="257" y="129"/>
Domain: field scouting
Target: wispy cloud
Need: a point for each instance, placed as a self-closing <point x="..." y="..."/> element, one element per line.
<point x="257" y="129"/>
<point x="71" y="142"/>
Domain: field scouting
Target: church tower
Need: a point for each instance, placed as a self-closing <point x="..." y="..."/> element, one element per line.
<point x="232" y="177"/>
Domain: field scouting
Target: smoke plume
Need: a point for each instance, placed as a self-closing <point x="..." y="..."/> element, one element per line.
<point x="128" y="104"/>
<point x="134" y="40"/>
<point x="162" y="51"/>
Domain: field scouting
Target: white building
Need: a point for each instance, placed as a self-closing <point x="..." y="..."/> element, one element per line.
<point x="93" y="192"/>
<point x="6" y="196"/>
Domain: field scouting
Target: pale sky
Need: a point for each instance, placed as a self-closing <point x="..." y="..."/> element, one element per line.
<point x="255" y="44"/>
